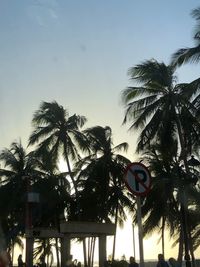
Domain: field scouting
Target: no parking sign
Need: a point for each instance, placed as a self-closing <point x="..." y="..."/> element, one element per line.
<point x="138" y="179"/>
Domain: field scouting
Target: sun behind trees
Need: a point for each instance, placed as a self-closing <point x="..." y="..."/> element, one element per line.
<point x="91" y="190"/>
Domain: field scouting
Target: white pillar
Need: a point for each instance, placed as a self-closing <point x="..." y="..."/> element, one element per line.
<point x="65" y="250"/>
<point x="102" y="250"/>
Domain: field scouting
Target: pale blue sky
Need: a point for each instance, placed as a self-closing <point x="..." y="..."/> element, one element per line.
<point x="78" y="53"/>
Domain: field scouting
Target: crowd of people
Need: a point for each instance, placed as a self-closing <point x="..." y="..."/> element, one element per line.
<point x="42" y="263"/>
<point x="132" y="262"/>
<point x="5" y="261"/>
<point x="161" y="262"/>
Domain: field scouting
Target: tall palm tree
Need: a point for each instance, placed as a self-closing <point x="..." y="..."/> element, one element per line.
<point x="17" y="166"/>
<point x="190" y="54"/>
<point x="54" y="190"/>
<point x="59" y="133"/>
<point x="159" y="106"/>
<point x="44" y="179"/>
<point x="100" y="177"/>
<point x="55" y="198"/>
<point x="161" y="208"/>
<point x="102" y="167"/>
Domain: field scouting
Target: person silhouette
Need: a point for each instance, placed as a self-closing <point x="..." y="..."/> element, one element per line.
<point x="161" y="261"/>
<point x="173" y="262"/>
<point x="132" y="262"/>
<point x="20" y="261"/>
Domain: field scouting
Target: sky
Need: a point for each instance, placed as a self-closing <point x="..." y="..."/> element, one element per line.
<point x="78" y="52"/>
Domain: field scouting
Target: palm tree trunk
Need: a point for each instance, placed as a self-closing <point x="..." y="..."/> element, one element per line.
<point x="48" y="260"/>
<point x="182" y="143"/>
<point x="57" y="252"/>
<point x="69" y="168"/>
<point x="12" y="253"/>
<point x="184" y="205"/>
<point x="85" y="252"/>
<point x="114" y="240"/>
<point x="191" y="250"/>
<point x="163" y="235"/>
<point x="93" y="248"/>
<point x="2" y="238"/>
<point x="180" y="249"/>
<point x="72" y="178"/>
<point x="89" y="250"/>
<point x="45" y="249"/>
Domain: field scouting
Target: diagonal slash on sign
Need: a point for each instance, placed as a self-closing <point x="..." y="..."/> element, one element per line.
<point x="138" y="179"/>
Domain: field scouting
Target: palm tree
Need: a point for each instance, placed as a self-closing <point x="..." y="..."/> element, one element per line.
<point x="100" y="175"/>
<point x="16" y="241"/>
<point x="44" y="249"/>
<point x="161" y="208"/>
<point x="192" y="54"/>
<point x="18" y="165"/>
<point x="168" y="176"/>
<point x="53" y="188"/>
<point x="44" y="179"/>
<point x="59" y="133"/>
<point x="55" y="198"/>
<point x="119" y="202"/>
<point x="159" y="106"/>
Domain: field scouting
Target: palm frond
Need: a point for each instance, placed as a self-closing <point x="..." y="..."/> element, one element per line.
<point x="152" y="71"/>
<point x="186" y="55"/>
<point x="121" y="147"/>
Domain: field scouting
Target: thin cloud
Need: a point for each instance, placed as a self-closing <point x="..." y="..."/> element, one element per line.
<point x="42" y="11"/>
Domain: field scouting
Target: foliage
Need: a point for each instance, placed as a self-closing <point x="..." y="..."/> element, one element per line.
<point x="97" y="177"/>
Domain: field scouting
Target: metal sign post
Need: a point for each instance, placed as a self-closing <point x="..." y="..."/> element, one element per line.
<point x="138" y="181"/>
<point x="140" y="231"/>
<point x="134" y="254"/>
